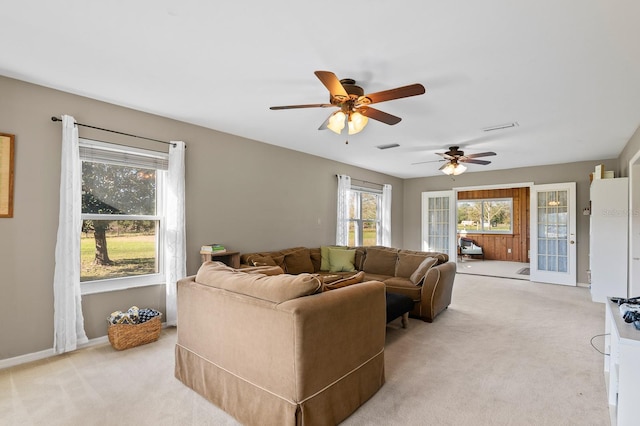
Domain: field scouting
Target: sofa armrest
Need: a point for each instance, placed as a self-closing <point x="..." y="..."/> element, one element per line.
<point x="436" y="290"/>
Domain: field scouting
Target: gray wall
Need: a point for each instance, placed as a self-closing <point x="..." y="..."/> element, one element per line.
<point x="241" y="193"/>
<point x="572" y="172"/>
<point x="632" y="147"/>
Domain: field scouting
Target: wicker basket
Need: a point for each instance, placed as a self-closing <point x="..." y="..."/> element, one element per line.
<point x="125" y="336"/>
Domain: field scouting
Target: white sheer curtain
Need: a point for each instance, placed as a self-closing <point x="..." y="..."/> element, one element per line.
<point x="175" y="239"/>
<point x="342" y="223"/>
<point x="385" y="215"/>
<point x="68" y="322"/>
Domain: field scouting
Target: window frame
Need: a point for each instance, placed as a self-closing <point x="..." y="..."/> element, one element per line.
<point x="359" y="221"/>
<point x="134" y="281"/>
<point x="482" y="202"/>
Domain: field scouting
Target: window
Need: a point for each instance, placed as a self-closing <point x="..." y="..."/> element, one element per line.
<point x="486" y="216"/>
<point x="122" y="216"/>
<point x="364" y="217"/>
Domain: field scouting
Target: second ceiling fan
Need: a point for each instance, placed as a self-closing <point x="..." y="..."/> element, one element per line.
<point x="456" y="157"/>
<point x="355" y="109"/>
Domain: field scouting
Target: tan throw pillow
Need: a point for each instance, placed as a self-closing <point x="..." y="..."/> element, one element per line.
<point x="419" y="274"/>
<point x="341" y="260"/>
<point x="357" y="278"/>
<point x="298" y="262"/>
<point x="257" y="260"/>
<point x="408" y="263"/>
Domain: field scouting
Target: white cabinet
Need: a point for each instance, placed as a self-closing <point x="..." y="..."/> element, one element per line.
<point x="608" y="238"/>
<point x="621" y="367"/>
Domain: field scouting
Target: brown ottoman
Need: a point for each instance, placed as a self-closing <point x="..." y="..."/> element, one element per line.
<point x="398" y="305"/>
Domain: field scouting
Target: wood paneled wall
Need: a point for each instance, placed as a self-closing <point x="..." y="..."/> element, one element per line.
<point x="513" y="247"/>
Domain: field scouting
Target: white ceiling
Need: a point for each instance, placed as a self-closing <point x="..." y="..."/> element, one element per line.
<point x="567" y="71"/>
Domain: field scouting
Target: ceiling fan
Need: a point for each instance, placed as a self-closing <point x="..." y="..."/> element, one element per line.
<point x="354" y="105"/>
<point x="456" y="157"/>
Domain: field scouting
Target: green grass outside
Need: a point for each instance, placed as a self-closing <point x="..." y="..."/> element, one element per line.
<point x="369" y="238"/>
<point x="131" y="255"/>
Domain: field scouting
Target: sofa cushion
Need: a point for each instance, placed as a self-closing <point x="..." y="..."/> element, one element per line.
<point x="298" y="262"/>
<point x="407" y="264"/>
<point x="324" y="253"/>
<point x="442" y="257"/>
<point x="417" y="277"/>
<point x="279" y="259"/>
<point x="357" y="278"/>
<point x="361" y="253"/>
<point x="272" y="288"/>
<point x="341" y="260"/>
<point x="377" y="277"/>
<point x="316" y="259"/>
<point x="381" y="261"/>
<point x="403" y="286"/>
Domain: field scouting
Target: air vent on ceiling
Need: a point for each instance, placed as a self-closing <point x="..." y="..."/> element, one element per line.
<point x="390" y="145"/>
<point x="501" y="126"/>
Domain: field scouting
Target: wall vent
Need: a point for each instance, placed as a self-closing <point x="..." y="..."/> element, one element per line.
<point x="501" y="126"/>
<point x="387" y="146"/>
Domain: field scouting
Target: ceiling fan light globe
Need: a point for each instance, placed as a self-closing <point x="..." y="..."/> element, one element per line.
<point x="459" y="169"/>
<point x="336" y="122"/>
<point x="454" y="169"/>
<point x="357" y="122"/>
<point x="448" y="169"/>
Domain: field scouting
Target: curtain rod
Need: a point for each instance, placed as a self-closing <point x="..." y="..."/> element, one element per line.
<point x="115" y="131"/>
<point x="365" y="181"/>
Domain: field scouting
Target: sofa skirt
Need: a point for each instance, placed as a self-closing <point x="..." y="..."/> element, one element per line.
<point x="253" y="405"/>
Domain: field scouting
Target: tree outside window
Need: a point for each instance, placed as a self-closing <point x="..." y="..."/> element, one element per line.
<point x="485" y="216"/>
<point x="364" y="218"/>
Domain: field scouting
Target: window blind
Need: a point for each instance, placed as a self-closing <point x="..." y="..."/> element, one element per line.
<point x="103" y="152"/>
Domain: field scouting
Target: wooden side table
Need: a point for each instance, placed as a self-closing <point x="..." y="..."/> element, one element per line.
<point x="229" y="258"/>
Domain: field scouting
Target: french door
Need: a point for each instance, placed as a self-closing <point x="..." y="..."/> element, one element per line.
<point x="553" y="233"/>
<point x="438" y="222"/>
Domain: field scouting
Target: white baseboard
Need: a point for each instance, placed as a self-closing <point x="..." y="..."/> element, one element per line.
<point x="23" y="359"/>
<point x="47" y="353"/>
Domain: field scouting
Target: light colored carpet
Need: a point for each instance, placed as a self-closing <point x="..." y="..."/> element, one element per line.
<point x="506" y="352"/>
<point x="492" y="268"/>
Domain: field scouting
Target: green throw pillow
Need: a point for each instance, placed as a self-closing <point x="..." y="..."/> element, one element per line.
<point x="341" y="260"/>
<point x="324" y="256"/>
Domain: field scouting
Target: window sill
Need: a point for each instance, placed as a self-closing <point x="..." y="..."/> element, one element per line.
<point x="116" y="284"/>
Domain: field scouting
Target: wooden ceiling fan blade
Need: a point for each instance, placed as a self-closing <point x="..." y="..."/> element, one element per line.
<point x="378" y="115"/>
<point x="425" y="162"/>
<point x="468" y="160"/>
<point x="444" y="165"/>
<point x="332" y="83"/>
<point x="445" y="155"/>
<point x="397" y="93"/>
<point x="301" y="106"/>
<point x="480" y="154"/>
<point x="324" y="125"/>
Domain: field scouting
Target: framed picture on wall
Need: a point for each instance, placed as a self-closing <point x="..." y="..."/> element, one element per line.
<point x="6" y="174"/>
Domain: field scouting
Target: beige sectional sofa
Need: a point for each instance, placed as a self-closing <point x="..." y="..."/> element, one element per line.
<point x="402" y="271"/>
<point x="276" y="349"/>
